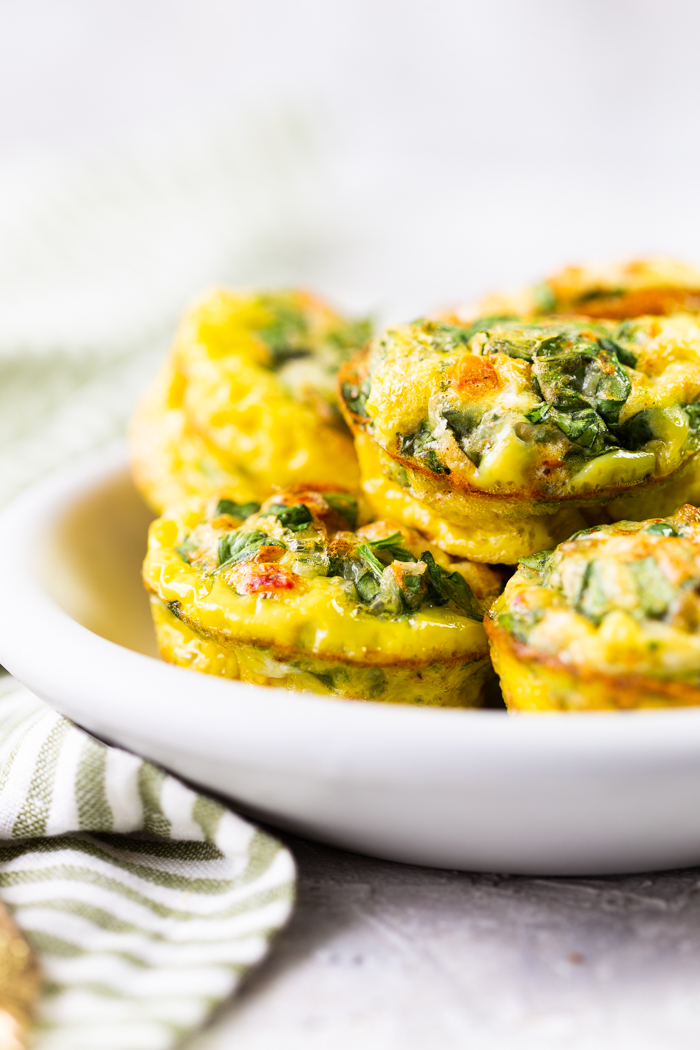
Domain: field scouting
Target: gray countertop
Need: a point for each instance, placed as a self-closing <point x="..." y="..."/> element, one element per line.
<point x="387" y="956"/>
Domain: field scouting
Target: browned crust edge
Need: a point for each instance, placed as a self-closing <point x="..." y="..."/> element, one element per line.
<point x="292" y="652"/>
<point x="499" y="637"/>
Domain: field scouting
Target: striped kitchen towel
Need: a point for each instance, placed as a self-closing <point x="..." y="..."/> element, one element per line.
<point x="144" y="902"/>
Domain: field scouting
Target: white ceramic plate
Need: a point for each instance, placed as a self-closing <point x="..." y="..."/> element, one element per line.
<point x="557" y="794"/>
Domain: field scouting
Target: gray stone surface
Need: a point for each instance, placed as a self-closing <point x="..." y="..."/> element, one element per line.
<point x="388" y="956"/>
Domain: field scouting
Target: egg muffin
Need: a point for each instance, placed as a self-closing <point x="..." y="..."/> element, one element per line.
<point x="170" y="460"/>
<point x="608" y="620"/>
<point x="247" y="400"/>
<point x="297" y="596"/>
<point x="502" y="437"/>
<point x="620" y="290"/>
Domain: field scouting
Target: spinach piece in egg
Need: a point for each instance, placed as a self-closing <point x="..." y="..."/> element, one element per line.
<point x="583" y="387"/>
<point x="654" y="591"/>
<point x="420" y="444"/>
<point x="537" y="562"/>
<point x="355" y="396"/>
<point x="287" y="334"/>
<point x="660" y="528"/>
<point x="236" y="510"/>
<point x="345" y="505"/>
<point x="391" y="546"/>
<point x="186" y="548"/>
<point x="238" y="546"/>
<point x="444" y="586"/>
<point x="295" y="518"/>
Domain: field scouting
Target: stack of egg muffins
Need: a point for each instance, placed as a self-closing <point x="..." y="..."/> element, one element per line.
<point x="340" y="512"/>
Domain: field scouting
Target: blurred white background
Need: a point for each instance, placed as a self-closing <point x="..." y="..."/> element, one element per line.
<point x="396" y="153"/>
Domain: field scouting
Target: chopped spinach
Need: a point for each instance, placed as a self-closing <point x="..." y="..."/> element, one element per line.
<point x="519" y="626"/>
<point x="421" y="445"/>
<point x="344" y="504"/>
<point x="444" y="586"/>
<point x="593" y="601"/>
<point x="372" y="562"/>
<point x="236" y="510"/>
<point x="367" y="588"/>
<point x="186" y="548"/>
<point x="294" y="518"/>
<point x="355" y="396"/>
<point x="654" y="591"/>
<point x="584" y="532"/>
<point x="623" y="353"/>
<point x="237" y="546"/>
<point x="445" y="337"/>
<point x="693" y="413"/>
<point x="391" y="545"/>
<point x="485" y="324"/>
<point x="544" y="297"/>
<point x="287" y="334"/>
<point x="538" y="561"/>
<point x="413" y="590"/>
<point x="462" y="421"/>
<point x="350" y="335"/>
<point x="325" y="678"/>
<point x="592" y="294"/>
<point x="584" y="388"/>
<point x="660" y="528"/>
<point x="636" y="431"/>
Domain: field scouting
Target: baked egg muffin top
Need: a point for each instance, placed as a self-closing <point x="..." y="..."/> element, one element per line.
<point x="548" y="408"/>
<point x="297" y="575"/>
<point x="619" y="599"/>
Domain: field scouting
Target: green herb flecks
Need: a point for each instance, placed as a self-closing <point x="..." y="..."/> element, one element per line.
<point x="370" y="560"/>
<point x="235" y="547"/>
<point x="444" y="587"/>
<point x="350" y="335"/>
<point x="186" y="548"/>
<point x="391" y="546"/>
<point x="583" y="387"/>
<point x="693" y="413"/>
<point x="343" y="504"/>
<point x="636" y="431"/>
<point x="544" y="298"/>
<point x="325" y="678"/>
<point x="287" y="334"/>
<point x="421" y="445"/>
<point x="295" y="518"/>
<point x="537" y="562"/>
<point x="654" y="591"/>
<point x="486" y="324"/>
<point x="355" y="396"/>
<point x="660" y="528"/>
<point x="236" y="510"/>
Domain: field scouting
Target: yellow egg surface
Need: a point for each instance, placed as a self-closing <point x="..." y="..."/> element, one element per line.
<point x="247" y="397"/>
<point x="609" y="619"/>
<point x="517" y="431"/>
<point x="259" y="377"/>
<point x="172" y="462"/>
<point x="619" y="290"/>
<point x="296" y="595"/>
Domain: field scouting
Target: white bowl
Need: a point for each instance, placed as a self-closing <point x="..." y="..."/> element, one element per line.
<point x="555" y="794"/>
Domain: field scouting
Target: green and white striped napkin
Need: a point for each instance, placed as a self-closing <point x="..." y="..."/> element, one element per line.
<point x="145" y="902"/>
